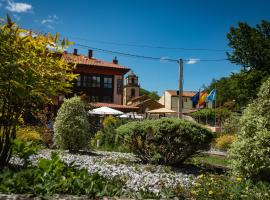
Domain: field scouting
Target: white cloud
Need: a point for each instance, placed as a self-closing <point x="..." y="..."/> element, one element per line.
<point x="51" y="19"/>
<point x="164" y="59"/>
<point x="18" y="7"/>
<point x="193" y="61"/>
<point x="45" y="21"/>
<point x="50" y="27"/>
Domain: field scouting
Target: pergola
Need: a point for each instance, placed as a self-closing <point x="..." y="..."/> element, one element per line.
<point x="161" y="111"/>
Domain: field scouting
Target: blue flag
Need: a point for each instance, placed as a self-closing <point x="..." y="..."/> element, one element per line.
<point x="195" y="99"/>
<point x="211" y="96"/>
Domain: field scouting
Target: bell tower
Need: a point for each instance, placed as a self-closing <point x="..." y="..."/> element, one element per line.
<point x="131" y="88"/>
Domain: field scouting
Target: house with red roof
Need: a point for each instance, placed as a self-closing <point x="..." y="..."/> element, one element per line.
<point x="170" y="100"/>
<point x="101" y="81"/>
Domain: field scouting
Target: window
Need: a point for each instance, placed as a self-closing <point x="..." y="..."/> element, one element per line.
<point x="107" y="82"/>
<point x="91" y="81"/>
<point x="94" y="99"/>
<point x="132" y="92"/>
<point x="87" y="81"/>
<point x="107" y="99"/>
<point x="78" y="83"/>
<point x="119" y="86"/>
<point x="95" y="81"/>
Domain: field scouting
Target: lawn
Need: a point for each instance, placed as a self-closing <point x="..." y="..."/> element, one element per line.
<point x="213" y="160"/>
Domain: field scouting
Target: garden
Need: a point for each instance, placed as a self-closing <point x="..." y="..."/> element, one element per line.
<point x="150" y="159"/>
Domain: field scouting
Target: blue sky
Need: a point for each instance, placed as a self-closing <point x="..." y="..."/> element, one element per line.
<point x="171" y="23"/>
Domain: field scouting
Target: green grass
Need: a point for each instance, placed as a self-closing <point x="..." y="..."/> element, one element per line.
<point x="211" y="160"/>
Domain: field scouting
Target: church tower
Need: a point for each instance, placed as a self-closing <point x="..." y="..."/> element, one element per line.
<point x="131" y="88"/>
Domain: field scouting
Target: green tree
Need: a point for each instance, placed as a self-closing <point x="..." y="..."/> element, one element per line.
<point x="30" y="74"/>
<point x="153" y="95"/>
<point x="251" y="46"/>
<point x="250" y="49"/>
<point x="71" y="128"/>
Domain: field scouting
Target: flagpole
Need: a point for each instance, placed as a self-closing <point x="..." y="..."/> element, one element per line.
<point x="215" y="107"/>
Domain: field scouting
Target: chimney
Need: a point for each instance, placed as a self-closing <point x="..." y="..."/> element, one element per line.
<point x="115" y="61"/>
<point x="75" y="52"/>
<point x="90" y="53"/>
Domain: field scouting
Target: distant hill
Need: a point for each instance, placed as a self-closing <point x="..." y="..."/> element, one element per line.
<point x="153" y="95"/>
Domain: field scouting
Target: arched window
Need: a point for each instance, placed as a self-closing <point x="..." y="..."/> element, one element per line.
<point x="132" y="92"/>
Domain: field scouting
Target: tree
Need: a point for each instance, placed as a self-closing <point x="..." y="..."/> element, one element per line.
<point x="71" y="128"/>
<point x="239" y="88"/>
<point x="153" y="95"/>
<point x="251" y="46"/>
<point x="31" y="73"/>
<point x="251" y="50"/>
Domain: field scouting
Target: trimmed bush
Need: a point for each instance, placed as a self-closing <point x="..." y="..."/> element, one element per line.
<point x="250" y="153"/>
<point x="224" y="142"/>
<point x="71" y="128"/>
<point x="164" y="141"/>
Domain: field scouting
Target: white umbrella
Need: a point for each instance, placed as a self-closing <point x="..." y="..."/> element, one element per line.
<point x="131" y="115"/>
<point x="105" y="111"/>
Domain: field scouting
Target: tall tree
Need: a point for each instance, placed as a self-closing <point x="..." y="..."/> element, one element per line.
<point x="250" y="49"/>
<point x="30" y="73"/>
<point x="251" y="46"/>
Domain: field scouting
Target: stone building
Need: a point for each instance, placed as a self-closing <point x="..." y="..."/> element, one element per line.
<point x="131" y="87"/>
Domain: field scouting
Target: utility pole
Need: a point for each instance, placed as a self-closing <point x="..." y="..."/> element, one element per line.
<point x="180" y="101"/>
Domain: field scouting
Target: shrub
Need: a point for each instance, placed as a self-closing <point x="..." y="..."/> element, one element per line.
<point x="250" y="152"/>
<point x="29" y="133"/>
<point x="108" y="135"/>
<point x="224" y="142"/>
<point x="164" y="141"/>
<point x="35" y="134"/>
<point x="109" y="121"/>
<point x="97" y="137"/>
<point x="53" y="176"/>
<point x="204" y="115"/>
<point x="218" y="187"/>
<point x="71" y="128"/>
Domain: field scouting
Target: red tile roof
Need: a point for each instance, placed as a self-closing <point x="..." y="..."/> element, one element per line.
<point x="81" y="59"/>
<point x="185" y="93"/>
<point x="114" y="106"/>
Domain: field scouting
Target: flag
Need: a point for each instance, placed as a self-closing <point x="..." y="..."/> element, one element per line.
<point x="195" y="99"/>
<point x="202" y="98"/>
<point x="211" y="96"/>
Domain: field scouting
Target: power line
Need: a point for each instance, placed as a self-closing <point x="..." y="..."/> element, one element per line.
<point x="151" y="46"/>
<point x="145" y="57"/>
<point x="126" y="54"/>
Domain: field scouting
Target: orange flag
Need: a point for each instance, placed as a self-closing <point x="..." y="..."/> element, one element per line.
<point x="202" y="98"/>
